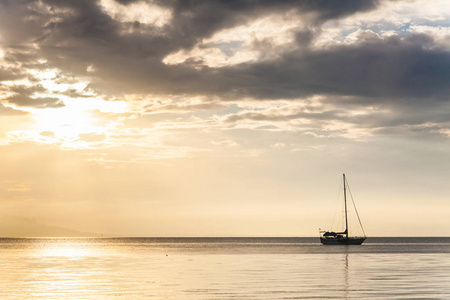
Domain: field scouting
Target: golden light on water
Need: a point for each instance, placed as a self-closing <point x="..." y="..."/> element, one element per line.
<point x="66" y="251"/>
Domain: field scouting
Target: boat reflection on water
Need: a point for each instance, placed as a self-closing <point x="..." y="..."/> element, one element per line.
<point x="346" y="284"/>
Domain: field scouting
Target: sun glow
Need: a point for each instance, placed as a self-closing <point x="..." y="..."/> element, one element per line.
<point x="68" y="121"/>
<point x="79" y="117"/>
<point x="66" y="125"/>
<point x="82" y="121"/>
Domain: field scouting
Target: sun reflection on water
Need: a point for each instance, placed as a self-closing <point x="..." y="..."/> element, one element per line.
<point x="67" y="252"/>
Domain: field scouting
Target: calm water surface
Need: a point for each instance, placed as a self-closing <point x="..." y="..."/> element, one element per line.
<point x="223" y="268"/>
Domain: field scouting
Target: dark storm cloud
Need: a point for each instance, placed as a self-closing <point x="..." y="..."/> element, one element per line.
<point x="396" y="67"/>
<point x="196" y="19"/>
<point x="400" y="70"/>
<point x="74" y="35"/>
<point x="89" y="26"/>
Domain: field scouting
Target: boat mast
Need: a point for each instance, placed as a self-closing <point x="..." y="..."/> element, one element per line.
<point x="345" y="204"/>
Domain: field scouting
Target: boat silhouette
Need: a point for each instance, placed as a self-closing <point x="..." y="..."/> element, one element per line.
<point x="343" y="238"/>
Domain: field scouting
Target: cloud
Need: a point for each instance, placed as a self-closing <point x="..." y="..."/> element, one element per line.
<point x="342" y="116"/>
<point x="394" y="67"/>
<point x="276" y="117"/>
<point x="22" y="96"/>
<point x="49" y="134"/>
<point x="8" y="111"/>
<point x="120" y="51"/>
<point x="7" y="74"/>
<point x="184" y="105"/>
<point x="74" y="35"/>
<point x="92" y="137"/>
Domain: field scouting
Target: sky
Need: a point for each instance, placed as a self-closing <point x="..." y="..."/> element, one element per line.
<point x="223" y="118"/>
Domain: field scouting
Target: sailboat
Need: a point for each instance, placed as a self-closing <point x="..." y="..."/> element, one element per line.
<point x="343" y="238"/>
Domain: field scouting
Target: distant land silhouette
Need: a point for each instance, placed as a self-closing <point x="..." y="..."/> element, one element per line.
<point x="15" y="226"/>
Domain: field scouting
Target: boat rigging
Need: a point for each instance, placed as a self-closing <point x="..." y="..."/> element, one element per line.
<point x="343" y="238"/>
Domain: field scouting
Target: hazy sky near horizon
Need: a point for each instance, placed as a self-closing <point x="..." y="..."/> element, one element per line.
<point x="225" y="118"/>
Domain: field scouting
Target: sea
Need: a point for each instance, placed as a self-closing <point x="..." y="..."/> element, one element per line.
<point x="223" y="268"/>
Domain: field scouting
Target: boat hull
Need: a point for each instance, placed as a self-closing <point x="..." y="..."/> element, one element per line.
<point x="344" y="241"/>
